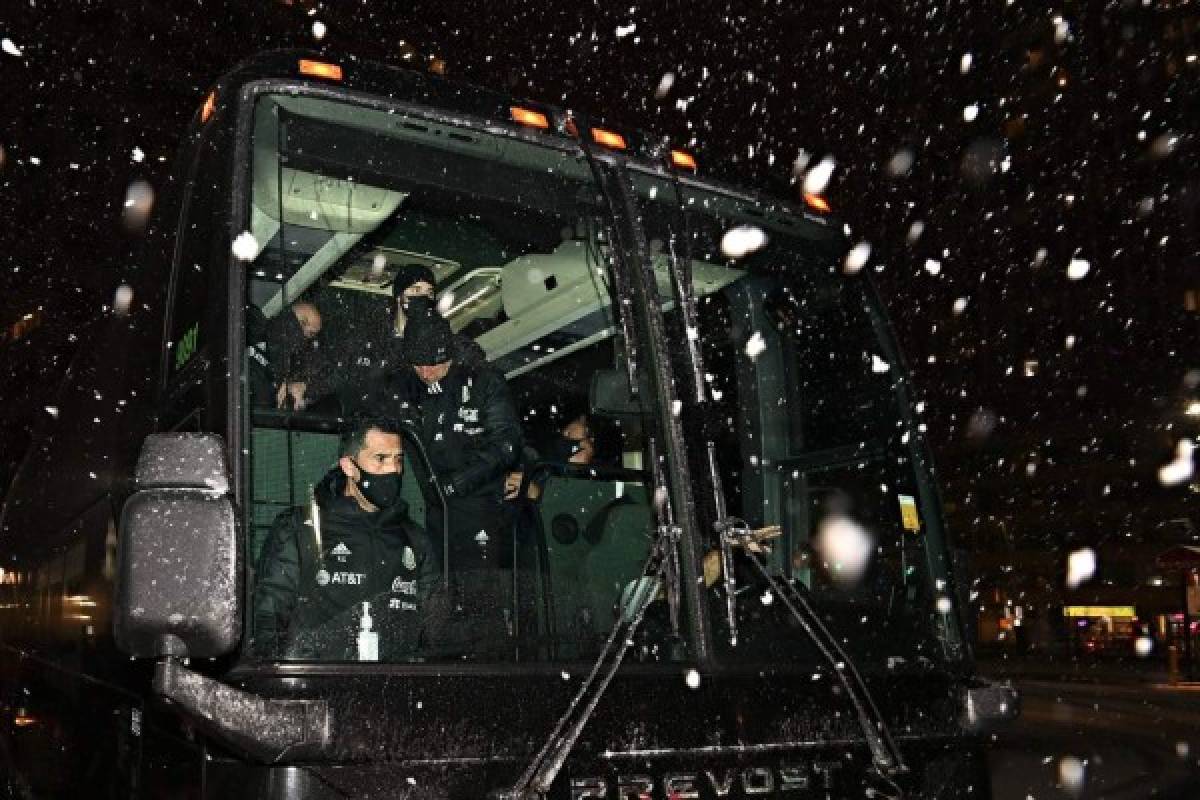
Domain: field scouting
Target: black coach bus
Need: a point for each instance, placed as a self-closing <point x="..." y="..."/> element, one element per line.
<point x="750" y="594"/>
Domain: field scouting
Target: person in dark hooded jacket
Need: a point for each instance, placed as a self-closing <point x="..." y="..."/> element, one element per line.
<point x="352" y="365"/>
<point x="280" y="353"/>
<point x="353" y="548"/>
<point x="465" y="418"/>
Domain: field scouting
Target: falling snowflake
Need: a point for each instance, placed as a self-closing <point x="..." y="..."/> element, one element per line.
<point x="1071" y="773"/>
<point x="933" y="266"/>
<point x="664" y="85"/>
<point x="969" y="113"/>
<point x="755" y="345"/>
<point x="245" y="246"/>
<point x="318" y="30"/>
<point x="857" y="258"/>
<point x="900" y="164"/>
<point x="742" y="240"/>
<point x="817" y="178"/>
<point x="139" y="201"/>
<point x="1081" y="566"/>
<point x="844" y="546"/>
<point x="122" y="299"/>
<point x="7" y="46"/>
<point x="800" y="163"/>
<point x="1078" y="268"/>
<point x="1181" y="468"/>
<point x="1062" y="29"/>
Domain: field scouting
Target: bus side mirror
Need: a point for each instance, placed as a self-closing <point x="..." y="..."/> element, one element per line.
<point x="611" y="396"/>
<point x="178" y="587"/>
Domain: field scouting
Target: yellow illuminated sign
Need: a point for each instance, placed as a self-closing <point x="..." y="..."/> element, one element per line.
<point x="1120" y="612"/>
<point x="908" y="513"/>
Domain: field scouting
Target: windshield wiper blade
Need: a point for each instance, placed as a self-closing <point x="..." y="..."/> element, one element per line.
<point x="545" y="766"/>
<point x="885" y="755"/>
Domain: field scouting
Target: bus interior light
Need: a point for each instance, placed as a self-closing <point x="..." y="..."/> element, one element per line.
<point x="320" y="69"/>
<point x="816" y="202"/>
<point x="683" y="160"/>
<point x="529" y="118"/>
<point x="609" y="139"/>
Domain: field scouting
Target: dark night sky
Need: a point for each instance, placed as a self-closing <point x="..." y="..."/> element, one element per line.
<point x="1071" y="134"/>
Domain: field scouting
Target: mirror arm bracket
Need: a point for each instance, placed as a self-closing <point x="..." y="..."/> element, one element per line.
<point x="267" y="730"/>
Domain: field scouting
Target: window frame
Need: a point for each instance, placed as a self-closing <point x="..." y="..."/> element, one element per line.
<point x="239" y="425"/>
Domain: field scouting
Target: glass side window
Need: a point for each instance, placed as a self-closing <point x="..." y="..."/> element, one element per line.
<point x="808" y="435"/>
<point x="342" y="199"/>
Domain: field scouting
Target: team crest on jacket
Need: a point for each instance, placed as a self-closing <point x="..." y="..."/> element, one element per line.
<point x="410" y="558"/>
<point x="341" y="551"/>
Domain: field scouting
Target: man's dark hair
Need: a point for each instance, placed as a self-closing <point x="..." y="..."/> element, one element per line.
<point x="354" y="433"/>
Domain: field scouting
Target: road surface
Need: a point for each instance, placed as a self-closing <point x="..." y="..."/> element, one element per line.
<point x="1091" y="741"/>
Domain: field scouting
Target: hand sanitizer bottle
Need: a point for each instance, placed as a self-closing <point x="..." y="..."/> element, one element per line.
<point x="368" y="640"/>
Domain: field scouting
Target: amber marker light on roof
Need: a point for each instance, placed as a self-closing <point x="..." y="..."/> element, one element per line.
<point x="320" y="69"/>
<point x="210" y="105"/>
<point x="614" y="141"/>
<point x="816" y="202"/>
<point x="683" y="160"/>
<point x="529" y="118"/>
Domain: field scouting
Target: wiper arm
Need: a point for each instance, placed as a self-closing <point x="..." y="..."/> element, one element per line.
<point x="545" y="766"/>
<point x="885" y="755"/>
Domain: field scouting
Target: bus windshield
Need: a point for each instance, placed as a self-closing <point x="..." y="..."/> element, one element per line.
<point x="342" y="197"/>
<point x="806" y="416"/>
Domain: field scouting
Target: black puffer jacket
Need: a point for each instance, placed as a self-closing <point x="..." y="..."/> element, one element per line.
<point x="276" y="352"/>
<point x="319" y="565"/>
<point x="466" y="421"/>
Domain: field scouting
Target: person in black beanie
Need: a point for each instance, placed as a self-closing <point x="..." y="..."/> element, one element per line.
<point x="412" y="286"/>
<point x="464" y="416"/>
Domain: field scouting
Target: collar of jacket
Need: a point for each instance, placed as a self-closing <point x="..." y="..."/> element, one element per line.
<point x="331" y="496"/>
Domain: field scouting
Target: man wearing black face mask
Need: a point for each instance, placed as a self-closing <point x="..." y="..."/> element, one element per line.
<point x="572" y="445"/>
<point x="352" y="549"/>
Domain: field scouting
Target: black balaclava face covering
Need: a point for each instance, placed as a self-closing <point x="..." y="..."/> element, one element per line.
<point x="417" y="304"/>
<point x="382" y="491"/>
